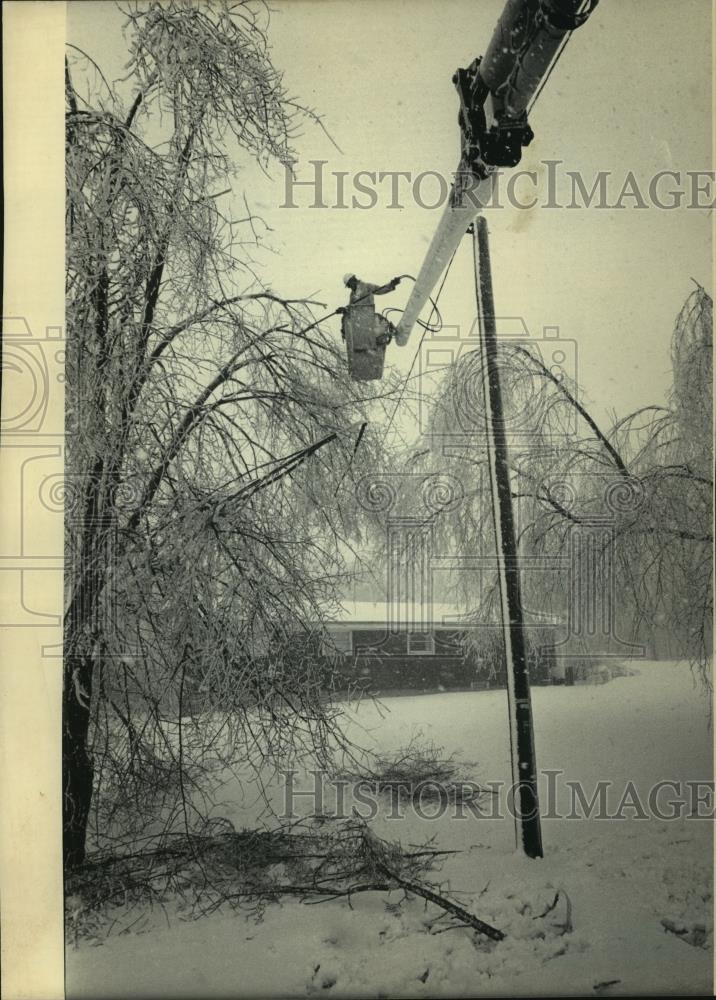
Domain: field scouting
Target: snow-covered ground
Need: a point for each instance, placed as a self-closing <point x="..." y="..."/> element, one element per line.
<point x="634" y="914"/>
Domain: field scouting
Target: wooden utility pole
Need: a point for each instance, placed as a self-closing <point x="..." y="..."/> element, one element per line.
<point x="524" y="765"/>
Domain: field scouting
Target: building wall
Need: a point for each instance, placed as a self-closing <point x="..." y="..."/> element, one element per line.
<point x="380" y="663"/>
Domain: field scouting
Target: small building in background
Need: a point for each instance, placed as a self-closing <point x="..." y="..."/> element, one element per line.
<point x="381" y="649"/>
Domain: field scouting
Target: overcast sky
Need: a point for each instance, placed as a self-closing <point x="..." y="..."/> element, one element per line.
<point x="632" y="92"/>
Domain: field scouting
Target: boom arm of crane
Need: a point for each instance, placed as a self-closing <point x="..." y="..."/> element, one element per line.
<point x="495" y="92"/>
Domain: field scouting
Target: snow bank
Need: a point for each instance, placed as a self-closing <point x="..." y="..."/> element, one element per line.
<point x="617" y="906"/>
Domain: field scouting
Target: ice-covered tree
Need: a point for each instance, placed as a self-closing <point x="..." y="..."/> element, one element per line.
<point x="654" y="468"/>
<point x="209" y="423"/>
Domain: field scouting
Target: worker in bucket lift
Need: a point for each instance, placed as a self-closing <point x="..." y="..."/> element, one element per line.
<point x="362" y="292"/>
<point x="365" y="332"/>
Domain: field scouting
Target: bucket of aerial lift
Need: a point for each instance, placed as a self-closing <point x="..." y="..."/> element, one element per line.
<point x="366" y="334"/>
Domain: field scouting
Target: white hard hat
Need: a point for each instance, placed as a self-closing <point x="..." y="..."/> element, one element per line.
<point x="347" y="277"/>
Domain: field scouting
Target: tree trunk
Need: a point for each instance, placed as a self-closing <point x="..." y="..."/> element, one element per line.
<point x="77" y="769"/>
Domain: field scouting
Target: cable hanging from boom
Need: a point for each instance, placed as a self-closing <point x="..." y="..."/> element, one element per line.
<point x="426" y="329"/>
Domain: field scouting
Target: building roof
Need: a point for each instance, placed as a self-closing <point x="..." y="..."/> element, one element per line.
<point x="379" y="613"/>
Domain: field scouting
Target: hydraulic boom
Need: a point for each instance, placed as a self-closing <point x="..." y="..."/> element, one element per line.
<point x="496" y="93"/>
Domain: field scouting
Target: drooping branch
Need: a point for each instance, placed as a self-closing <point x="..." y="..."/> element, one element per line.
<point x="576" y="405"/>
